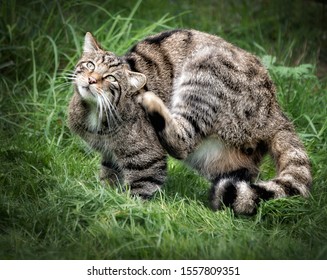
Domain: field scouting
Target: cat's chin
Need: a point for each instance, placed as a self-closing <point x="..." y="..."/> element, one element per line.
<point x="86" y="94"/>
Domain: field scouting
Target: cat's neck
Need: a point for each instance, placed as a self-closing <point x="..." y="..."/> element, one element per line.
<point x="100" y="121"/>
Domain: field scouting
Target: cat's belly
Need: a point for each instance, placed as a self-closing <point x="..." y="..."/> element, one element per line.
<point x="212" y="158"/>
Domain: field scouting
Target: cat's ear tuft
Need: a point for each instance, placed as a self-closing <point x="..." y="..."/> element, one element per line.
<point x="90" y="44"/>
<point x="136" y="80"/>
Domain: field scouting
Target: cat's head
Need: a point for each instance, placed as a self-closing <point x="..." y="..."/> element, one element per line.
<point x="102" y="78"/>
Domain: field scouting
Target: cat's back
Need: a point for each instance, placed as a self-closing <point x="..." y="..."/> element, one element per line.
<point x="203" y="77"/>
<point x="168" y="50"/>
<point x="161" y="57"/>
<point x="165" y="56"/>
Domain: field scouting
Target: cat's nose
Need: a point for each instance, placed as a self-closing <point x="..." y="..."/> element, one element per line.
<point x="92" y="80"/>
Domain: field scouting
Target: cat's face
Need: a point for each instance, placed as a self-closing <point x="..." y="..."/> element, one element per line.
<point x="102" y="79"/>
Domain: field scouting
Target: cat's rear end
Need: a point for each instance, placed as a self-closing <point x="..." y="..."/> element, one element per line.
<point x="221" y="117"/>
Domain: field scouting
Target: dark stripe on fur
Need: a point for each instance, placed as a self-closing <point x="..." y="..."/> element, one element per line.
<point x="131" y="62"/>
<point x="114" y="64"/>
<point x="262" y="193"/>
<point x="222" y="75"/>
<point x="189" y="131"/>
<point x="193" y="122"/>
<point x="168" y="64"/>
<point x="149" y="61"/>
<point x="242" y="174"/>
<point x="143" y="165"/>
<point x="195" y="83"/>
<point x="110" y="165"/>
<point x="160" y="38"/>
<point x="227" y="63"/>
<point x="157" y="121"/>
<point x="289" y="189"/>
<point x="134" y="153"/>
<point x="230" y="194"/>
<point x="251" y="72"/>
<point x="148" y="179"/>
<point x="196" y="99"/>
<point x="297" y="162"/>
<point x="267" y="83"/>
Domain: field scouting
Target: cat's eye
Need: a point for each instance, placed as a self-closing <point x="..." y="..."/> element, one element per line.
<point x="90" y="65"/>
<point x="110" y="78"/>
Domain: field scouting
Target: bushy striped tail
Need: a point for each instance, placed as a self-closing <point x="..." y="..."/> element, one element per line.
<point x="293" y="177"/>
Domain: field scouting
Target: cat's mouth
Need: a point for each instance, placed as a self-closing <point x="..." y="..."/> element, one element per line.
<point x="86" y="92"/>
<point x="88" y="89"/>
<point x="93" y="91"/>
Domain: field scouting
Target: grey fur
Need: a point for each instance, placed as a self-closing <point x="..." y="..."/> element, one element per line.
<point x="206" y="102"/>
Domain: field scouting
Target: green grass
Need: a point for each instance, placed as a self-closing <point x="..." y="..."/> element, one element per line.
<point x="51" y="203"/>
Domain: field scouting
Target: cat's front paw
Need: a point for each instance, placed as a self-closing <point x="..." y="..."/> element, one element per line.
<point x="109" y="176"/>
<point x="151" y="103"/>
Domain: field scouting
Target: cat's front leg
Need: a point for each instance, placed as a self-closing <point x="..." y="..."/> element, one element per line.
<point x="177" y="134"/>
<point x="110" y="173"/>
<point x="146" y="178"/>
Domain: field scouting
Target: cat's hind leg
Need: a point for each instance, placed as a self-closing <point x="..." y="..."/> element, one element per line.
<point x="178" y="134"/>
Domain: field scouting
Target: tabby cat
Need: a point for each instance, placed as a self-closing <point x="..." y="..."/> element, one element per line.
<point x="199" y="99"/>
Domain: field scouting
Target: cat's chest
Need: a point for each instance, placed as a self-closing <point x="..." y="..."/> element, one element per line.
<point x="92" y="120"/>
<point x="116" y="139"/>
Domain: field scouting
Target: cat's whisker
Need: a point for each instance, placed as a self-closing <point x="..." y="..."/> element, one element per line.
<point x="100" y="110"/>
<point x="71" y="79"/>
<point x="112" y="109"/>
<point x="112" y="112"/>
<point x="70" y="76"/>
<point x="108" y="118"/>
<point x="103" y="107"/>
<point x="63" y="85"/>
<point x="64" y="72"/>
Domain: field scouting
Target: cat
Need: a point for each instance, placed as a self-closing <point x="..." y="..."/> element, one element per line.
<point x="196" y="97"/>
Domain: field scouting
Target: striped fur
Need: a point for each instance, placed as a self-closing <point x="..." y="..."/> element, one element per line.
<point x="103" y="112"/>
<point x="207" y="103"/>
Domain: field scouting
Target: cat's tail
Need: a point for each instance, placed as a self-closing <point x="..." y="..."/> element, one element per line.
<point x="293" y="166"/>
<point x="293" y="177"/>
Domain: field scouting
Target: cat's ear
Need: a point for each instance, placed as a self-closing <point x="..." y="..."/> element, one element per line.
<point x="90" y="44"/>
<point x="136" y="80"/>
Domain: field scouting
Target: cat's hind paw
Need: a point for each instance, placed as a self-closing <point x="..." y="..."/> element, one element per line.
<point x="151" y="103"/>
<point x="155" y="108"/>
